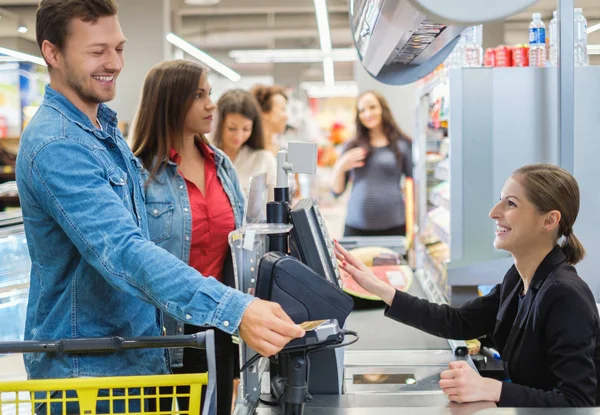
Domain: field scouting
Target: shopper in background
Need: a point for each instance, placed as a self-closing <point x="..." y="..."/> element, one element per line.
<point x="273" y="104"/>
<point x="95" y="272"/>
<point x="375" y="161"/>
<point x="240" y="135"/>
<point x="543" y="316"/>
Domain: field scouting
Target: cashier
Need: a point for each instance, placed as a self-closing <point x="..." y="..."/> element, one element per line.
<point x="542" y="318"/>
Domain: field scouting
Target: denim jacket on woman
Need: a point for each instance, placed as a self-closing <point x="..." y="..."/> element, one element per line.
<point x="170" y="219"/>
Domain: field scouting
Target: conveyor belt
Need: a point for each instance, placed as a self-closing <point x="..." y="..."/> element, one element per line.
<point x="378" y="332"/>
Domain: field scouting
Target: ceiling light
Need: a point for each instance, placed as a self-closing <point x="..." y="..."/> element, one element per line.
<point x="340" y="89"/>
<point x="203" y="57"/>
<point x="593" y="28"/>
<point x="593" y="49"/>
<point x="22" y="56"/>
<point x="323" y="25"/>
<point x="202" y="2"/>
<point x="22" y="28"/>
<point x="328" y="72"/>
<point x="292" y="55"/>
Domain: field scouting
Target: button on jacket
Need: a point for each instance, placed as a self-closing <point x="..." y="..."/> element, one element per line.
<point x="95" y="271"/>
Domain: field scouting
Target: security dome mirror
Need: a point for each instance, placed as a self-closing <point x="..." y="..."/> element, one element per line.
<point x="401" y="41"/>
<point x="471" y="12"/>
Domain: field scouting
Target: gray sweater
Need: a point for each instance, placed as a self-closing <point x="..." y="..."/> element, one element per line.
<point x="377" y="201"/>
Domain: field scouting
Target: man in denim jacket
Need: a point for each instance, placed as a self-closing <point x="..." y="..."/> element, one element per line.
<point x="94" y="271"/>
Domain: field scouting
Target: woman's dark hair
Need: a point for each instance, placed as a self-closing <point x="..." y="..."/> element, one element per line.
<point x="167" y="96"/>
<point x="53" y="18"/>
<point x="550" y="187"/>
<point x="264" y="95"/>
<point x="391" y="130"/>
<point x="238" y="101"/>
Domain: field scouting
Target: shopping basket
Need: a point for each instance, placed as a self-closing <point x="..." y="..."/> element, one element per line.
<point x="155" y="394"/>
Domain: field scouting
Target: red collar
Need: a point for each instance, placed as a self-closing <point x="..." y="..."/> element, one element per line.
<point x="204" y="148"/>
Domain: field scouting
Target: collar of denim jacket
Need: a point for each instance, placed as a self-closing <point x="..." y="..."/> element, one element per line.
<point x="106" y="116"/>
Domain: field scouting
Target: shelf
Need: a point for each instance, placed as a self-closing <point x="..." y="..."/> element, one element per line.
<point x="442" y="171"/>
<point x="9" y="201"/>
<point x="7" y="177"/>
<point x="440" y="201"/>
<point x="439" y="220"/>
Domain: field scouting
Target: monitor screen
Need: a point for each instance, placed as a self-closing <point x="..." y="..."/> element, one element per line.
<point x="310" y="241"/>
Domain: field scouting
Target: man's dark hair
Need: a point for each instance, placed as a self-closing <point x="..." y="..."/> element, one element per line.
<point x="53" y="20"/>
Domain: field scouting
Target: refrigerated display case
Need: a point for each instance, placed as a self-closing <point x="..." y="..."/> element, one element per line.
<point x="14" y="276"/>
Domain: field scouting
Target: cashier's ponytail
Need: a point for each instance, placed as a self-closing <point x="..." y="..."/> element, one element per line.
<point x="549" y="188"/>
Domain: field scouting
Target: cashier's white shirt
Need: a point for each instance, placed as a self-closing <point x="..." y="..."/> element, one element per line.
<point x="250" y="162"/>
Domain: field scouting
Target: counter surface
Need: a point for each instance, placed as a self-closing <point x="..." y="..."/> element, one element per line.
<point x="378" y="332"/>
<point x="417" y="404"/>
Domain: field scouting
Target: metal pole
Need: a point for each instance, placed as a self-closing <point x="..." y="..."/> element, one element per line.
<point x="566" y="86"/>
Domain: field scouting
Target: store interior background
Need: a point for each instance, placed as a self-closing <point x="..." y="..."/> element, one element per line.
<point x="318" y="112"/>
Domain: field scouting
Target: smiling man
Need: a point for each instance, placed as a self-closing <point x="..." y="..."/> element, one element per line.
<point x="94" y="271"/>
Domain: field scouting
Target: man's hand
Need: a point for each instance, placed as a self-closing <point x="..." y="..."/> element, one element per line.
<point x="266" y="328"/>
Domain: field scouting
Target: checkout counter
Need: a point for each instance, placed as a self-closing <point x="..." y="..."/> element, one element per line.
<point x="392" y="370"/>
<point x="392" y="367"/>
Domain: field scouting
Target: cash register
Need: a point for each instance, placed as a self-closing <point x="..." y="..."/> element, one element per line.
<point x="288" y="257"/>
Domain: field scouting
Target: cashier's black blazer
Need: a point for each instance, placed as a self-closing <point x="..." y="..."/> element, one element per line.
<point x="550" y="347"/>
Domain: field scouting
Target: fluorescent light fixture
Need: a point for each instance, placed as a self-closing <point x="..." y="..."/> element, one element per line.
<point x="328" y="73"/>
<point x="593" y="28"/>
<point x="340" y="89"/>
<point x="203" y="57"/>
<point x="9" y="66"/>
<point x="323" y="24"/>
<point x="593" y="49"/>
<point x="22" y="56"/>
<point x="292" y="55"/>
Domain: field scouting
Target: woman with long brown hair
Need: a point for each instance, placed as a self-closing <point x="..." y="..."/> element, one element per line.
<point x="193" y="198"/>
<point x="542" y="318"/>
<point x="240" y="134"/>
<point x="375" y="161"/>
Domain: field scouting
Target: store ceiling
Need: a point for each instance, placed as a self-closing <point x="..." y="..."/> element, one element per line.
<point x="267" y="24"/>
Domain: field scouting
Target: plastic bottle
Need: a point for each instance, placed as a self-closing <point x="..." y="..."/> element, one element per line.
<point x="473" y="50"/>
<point x="580" y="38"/>
<point x="537" y="41"/>
<point x="553" y="40"/>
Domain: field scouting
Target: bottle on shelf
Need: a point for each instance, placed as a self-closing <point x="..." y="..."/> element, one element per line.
<point x="580" y="38"/>
<point x="537" y="41"/>
<point x="553" y="40"/>
<point x="473" y="50"/>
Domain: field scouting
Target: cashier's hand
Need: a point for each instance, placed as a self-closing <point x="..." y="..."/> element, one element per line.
<point x="363" y="275"/>
<point x="266" y="328"/>
<point x="462" y="384"/>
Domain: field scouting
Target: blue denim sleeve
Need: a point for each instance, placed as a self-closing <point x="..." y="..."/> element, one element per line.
<point x="72" y="187"/>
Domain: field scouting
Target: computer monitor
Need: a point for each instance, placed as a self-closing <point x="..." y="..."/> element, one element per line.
<point x="310" y="241"/>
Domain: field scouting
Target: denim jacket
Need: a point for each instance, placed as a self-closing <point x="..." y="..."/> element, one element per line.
<point x="170" y="218"/>
<point x="94" y="270"/>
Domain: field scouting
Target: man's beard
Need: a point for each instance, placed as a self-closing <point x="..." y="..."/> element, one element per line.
<point x="86" y="95"/>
